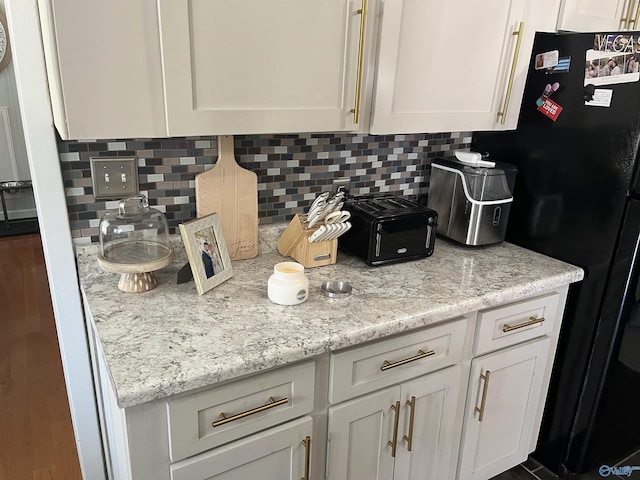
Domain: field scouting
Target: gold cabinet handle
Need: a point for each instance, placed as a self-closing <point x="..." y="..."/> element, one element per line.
<point x="637" y="17"/>
<point x="512" y="75"/>
<point x="483" y="401"/>
<point x="392" y="443"/>
<point x="272" y="403"/>
<point x="627" y="19"/>
<point x="412" y="408"/>
<point x="532" y="321"/>
<point x="307" y="457"/>
<point x="387" y="365"/>
<point x="363" y="17"/>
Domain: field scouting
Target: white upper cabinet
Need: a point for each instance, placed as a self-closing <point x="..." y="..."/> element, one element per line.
<point x="594" y="15"/>
<point x="260" y="67"/>
<point x="455" y="65"/>
<point x="103" y="65"/>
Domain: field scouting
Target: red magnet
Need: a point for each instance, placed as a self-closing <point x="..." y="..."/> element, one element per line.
<point x="550" y="108"/>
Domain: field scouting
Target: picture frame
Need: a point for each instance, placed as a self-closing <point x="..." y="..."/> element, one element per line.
<point x="204" y="241"/>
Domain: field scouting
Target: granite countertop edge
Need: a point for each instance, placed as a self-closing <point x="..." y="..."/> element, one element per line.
<point x="170" y="340"/>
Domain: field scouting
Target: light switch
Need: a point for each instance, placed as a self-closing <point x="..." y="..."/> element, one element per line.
<point x="114" y="177"/>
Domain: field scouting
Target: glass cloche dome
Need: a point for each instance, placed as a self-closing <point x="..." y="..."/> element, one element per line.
<point x="134" y="241"/>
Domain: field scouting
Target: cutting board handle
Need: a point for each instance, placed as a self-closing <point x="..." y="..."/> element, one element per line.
<point x="226" y="156"/>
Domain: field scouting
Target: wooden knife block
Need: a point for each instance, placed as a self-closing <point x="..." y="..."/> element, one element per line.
<point x="294" y="242"/>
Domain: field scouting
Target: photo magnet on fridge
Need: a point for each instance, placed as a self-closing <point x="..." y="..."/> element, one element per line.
<point x="546" y="60"/>
<point x="614" y="58"/>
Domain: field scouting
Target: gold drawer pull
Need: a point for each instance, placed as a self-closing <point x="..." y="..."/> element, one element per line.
<point x="480" y="410"/>
<point x="532" y="321"/>
<point x="421" y="354"/>
<point x="272" y="403"/>
<point x="307" y="456"/>
<point x="409" y="438"/>
<point x="393" y="443"/>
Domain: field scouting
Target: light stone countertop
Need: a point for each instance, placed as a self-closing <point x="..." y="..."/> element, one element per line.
<point x="171" y="340"/>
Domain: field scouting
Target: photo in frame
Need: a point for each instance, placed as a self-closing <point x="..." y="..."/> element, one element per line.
<point x="207" y="252"/>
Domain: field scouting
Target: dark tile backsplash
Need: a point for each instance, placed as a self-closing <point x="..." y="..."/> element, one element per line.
<point x="291" y="169"/>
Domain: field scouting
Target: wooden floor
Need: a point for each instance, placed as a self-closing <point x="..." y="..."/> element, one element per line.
<point x="36" y="436"/>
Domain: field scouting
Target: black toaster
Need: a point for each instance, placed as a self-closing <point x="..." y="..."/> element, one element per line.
<point x="388" y="229"/>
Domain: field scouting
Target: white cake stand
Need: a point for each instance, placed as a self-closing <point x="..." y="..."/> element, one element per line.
<point x="136" y="260"/>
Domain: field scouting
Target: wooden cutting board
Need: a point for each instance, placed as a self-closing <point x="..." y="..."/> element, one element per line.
<point x="232" y="192"/>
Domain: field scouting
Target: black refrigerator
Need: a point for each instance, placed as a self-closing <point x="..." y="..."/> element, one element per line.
<point x="577" y="199"/>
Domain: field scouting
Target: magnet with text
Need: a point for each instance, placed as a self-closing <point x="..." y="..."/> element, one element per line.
<point x="601" y="98"/>
<point x="563" y="66"/>
<point x="550" y="108"/>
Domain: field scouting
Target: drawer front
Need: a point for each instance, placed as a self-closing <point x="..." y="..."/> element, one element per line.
<point x="377" y="365"/>
<point x="277" y="453"/>
<point x="517" y="322"/>
<point x="213" y="417"/>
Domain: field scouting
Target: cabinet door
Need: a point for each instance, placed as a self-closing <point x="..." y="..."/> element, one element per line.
<point x="103" y="67"/>
<point x="506" y="388"/>
<point x="594" y="15"/>
<point x="259" y="67"/>
<point x="358" y="434"/>
<point x="445" y="65"/>
<point x="278" y="453"/>
<point x="435" y="435"/>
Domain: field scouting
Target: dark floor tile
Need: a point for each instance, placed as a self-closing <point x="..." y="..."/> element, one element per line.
<point x="633" y="460"/>
<point x="593" y="476"/>
<point x="544" y="474"/>
<point x="531" y="464"/>
<point x="516" y="473"/>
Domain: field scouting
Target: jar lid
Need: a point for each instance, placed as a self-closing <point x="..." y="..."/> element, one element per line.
<point x="336" y="289"/>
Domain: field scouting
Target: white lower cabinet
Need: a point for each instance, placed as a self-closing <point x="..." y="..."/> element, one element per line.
<point x="406" y="432"/>
<point x="281" y="453"/>
<point x="462" y="399"/>
<point x="505" y="393"/>
<point x="358" y="434"/>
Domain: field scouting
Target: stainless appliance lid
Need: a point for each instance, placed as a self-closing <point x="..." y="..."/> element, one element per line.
<point x="482" y="183"/>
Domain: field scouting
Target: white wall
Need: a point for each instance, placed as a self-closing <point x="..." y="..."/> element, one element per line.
<point x="44" y="166"/>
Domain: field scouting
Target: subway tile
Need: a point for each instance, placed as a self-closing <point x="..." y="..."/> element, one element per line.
<point x="291" y="169"/>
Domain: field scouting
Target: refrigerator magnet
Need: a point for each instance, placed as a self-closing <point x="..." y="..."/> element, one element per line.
<point x="546" y="60"/>
<point x="563" y="66"/>
<point x="601" y="98"/>
<point x="549" y="90"/>
<point x="550" y="108"/>
<point x="614" y="59"/>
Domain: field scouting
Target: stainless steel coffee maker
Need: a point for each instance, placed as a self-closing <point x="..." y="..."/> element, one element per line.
<point x="472" y="197"/>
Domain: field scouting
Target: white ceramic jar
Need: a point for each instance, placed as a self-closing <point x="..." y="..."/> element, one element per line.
<point x="288" y="285"/>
